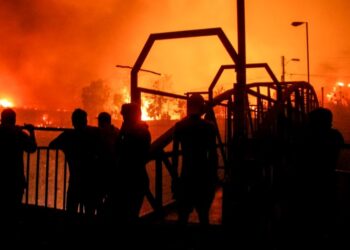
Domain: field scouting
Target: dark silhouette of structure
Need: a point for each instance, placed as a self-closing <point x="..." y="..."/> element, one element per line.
<point x="80" y="148"/>
<point x="196" y="185"/>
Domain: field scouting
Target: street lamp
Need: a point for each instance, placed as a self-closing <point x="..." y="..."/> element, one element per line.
<point x="307" y="46"/>
<point x="284" y="64"/>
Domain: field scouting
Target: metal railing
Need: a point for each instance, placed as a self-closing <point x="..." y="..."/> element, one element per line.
<point x="47" y="175"/>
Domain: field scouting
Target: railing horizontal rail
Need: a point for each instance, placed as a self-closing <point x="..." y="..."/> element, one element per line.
<point x="47" y="175"/>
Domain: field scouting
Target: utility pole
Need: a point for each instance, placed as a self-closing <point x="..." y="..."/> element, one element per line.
<point x="284" y="63"/>
<point x="232" y="191"/>
<point x="283" y="70"/>
<point x="295" y="24"/>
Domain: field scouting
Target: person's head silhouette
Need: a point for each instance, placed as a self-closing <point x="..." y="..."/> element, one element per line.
<point x="79" y="119"/>
<point x="321" y="119"/>
<point x="8" y="117"/>
<point x="104" y="119"/>
<point x="195" y="104"/>
<point x="131" y="112"/>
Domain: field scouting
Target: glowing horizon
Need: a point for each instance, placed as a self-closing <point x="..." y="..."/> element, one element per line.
<point x="6" y="103"/>
<point x="44" y="71"/>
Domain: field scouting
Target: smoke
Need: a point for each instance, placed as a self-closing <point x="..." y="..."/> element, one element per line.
<point x="51" y="49"/>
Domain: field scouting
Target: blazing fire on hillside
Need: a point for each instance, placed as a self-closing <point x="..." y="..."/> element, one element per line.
<point x="6" y="103"/>
<point x="340" y="94"/>
<point x="154" y="108"/>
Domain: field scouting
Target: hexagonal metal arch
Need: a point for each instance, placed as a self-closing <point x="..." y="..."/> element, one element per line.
<point x="135" y="92"/>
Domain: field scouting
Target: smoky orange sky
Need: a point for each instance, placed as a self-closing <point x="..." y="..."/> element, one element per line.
<point x="51" y="49"/>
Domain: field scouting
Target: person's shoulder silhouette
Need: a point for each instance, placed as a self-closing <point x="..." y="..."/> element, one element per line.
<point x="195" y="186"/>
<point x="320" y="128"/>
<point x="13" y="138"/>
<point x="80" y="148"/>
<point x="325" y="141"/>
<point x="133" y="146"/>
<point x="132" y="123"/>
<point x="13" y="143"/>
<point x="194" y="133"/>
<point x="108" y="131"/>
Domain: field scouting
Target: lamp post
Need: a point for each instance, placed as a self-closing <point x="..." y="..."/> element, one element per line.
<point x="307" y="46"/>
<point x="284" y="64"/>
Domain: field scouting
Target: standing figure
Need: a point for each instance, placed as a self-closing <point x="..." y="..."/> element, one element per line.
<point x="109" y="134"/>
<point x="80" y="148"/>
<point x="133" y="146"/>
<point x="13" y="143"/>
<point x="195" y="188"/>
<point x="316" y="183"/>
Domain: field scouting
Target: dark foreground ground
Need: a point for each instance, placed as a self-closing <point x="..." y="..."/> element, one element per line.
<point x="251" y="228"/>
<point x="49" y="229"/>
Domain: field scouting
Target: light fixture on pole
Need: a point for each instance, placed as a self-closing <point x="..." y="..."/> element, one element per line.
<point x="284" y="64"/>
<point x="307" y="46"/>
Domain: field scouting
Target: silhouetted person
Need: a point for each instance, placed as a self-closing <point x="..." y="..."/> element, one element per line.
<point x="195" y="188"/>
<point x="319" y="150"/>
<point x="80" y="148"/>
<point x="132" y="180"/>
<point x="109" y="134"/>
<point x="13" y="143"/>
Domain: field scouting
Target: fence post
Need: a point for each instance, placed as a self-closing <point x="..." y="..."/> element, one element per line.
<point x="159" y="183"/>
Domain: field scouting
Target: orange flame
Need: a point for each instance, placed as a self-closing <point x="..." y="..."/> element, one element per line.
<point x="155" y="107"/>
<point x="5" y="103"/>
<point x="339" y="94"/>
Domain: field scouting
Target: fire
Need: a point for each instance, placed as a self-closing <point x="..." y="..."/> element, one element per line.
<point x="5" y="103"/>
<point x="126" y="95"/>
<point x="157" y="107"/>
<point x="340" y="84"/>
<point x="144" y="107"/>
<point x="45" y="121"/>
<point x="340" y="94"/>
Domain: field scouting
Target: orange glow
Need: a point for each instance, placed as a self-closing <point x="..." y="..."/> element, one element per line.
<point x="144" y="108"/>
<point x="126" y="95"/>
<point x="44" y="71"/>
<point x="5" y="103"/>
<point x="339" y="94"/>
<point x="156" y="107"/>
<point x="45" y="121"/>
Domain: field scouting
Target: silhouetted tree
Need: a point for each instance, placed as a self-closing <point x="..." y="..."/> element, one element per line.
<point x="118" y="100"/>
<point x="161" y="107"/>
<point x="95" y="97"/>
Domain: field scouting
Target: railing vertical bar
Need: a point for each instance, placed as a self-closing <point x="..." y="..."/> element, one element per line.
<point x="47" y="176"/>
<point x="28" y="178"/>
<point x="159" y="183"/>
<point x="37" y="176"/>
<point x="56" y="179"/>
<point x="64" y="182"/>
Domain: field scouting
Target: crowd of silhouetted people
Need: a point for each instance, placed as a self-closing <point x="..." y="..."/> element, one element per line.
<point x="107" y="165"/>
<point x="108" y="177"/>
